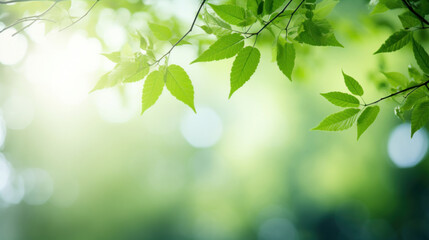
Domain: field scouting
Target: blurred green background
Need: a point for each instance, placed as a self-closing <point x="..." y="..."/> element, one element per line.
<point x="82" y="166"/>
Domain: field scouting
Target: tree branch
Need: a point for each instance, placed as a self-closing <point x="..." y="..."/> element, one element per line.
<point x="399" y="92"/>
<point x="35" y="20"/>
<point x="274" y="18"/>
<point x="408" y="5"/>
<point x="81" y="17"/>
<point x="184" y="36"/>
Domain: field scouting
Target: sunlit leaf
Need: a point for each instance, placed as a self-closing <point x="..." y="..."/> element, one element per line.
<point x="226" y="47"/>
<point x="341" y="99"/>
<point x="317" y="33"/>
<point x="232" y="14"/>
<point x="244" y="66"/>
<point x="366" y="118"/>
<point x="179" y="84"/>
<point x="152" y="89"/>
<point x="421" y="56"/>
<point x="324" y="8"/>
<point x="286" y="58"/>
<point x="339" y="121"/>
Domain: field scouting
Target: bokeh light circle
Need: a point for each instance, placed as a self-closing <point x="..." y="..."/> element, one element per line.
<point x="404" y="151"/>
<point x="38" y="186"/>
<point x="18" y="112"/>
<point x="5" y="172"/>
<point x="203" y="129"/>
<point x="3" y="131"/>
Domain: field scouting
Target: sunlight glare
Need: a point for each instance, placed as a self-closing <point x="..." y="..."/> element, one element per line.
<point x="12" y="48"/>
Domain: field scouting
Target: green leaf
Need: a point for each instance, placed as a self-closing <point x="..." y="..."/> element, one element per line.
<point x="396" y="79"/>
<point x="233" y="14"/>
<point x="226" y="47"/>
<point x="286" y="58"/>
<point x="419" y="116"/>
<point x="421" y="56"/>
<point x="384" y="5"/>
<point x="138" y="74"/>
<point x="161" y="32"/>
<point x="324" y="8"/>
<point x="272" y="5"/>
<point x="114" y="56"/>
<point x="253" y="6"/>
<point x="415" y="75"/>
<point x="244" y="66"/>
<point x="339" y="121"/>
<point x="341" y="99"/>
<point x="318" y="33"/>
<point x="421" y="94"/>
<point x="152" y="89"/>
<point x="408" y="20"/>
<point x="366" y="118"/>
<point x="104" y="82"/>
<point x="353" y="85"/>
<point x="179" y="84"/>
<point x="395" y="42"/>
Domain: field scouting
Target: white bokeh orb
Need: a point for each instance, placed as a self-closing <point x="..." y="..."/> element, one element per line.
<point x="202" y="129"/>
<point x="404" y="151"/>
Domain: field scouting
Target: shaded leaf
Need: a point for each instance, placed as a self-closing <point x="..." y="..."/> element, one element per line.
<point x="408" y="20"/>
<point x="415" y="97"/>
<point x="421" y="56"/>
<point x="272" y="5"/>
<point x="419" y="116"/>
<point x="395" y="42"/>
<point x="396" y="79"/>
<point x="318" y="33"/>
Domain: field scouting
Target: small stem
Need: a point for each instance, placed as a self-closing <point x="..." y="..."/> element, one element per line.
<point x="81" y="17"/>
<point x="399" y="92"/>
<point x="274" y="18"/>
<point x="183" y="37"/>
<point x="408" y="5"/>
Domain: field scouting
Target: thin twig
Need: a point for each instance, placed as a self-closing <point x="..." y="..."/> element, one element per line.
<point x="81" y="17"/>
<point x="291" y="16"/>
<point x="183" y="37"/>
<point x="37" y="18"/>
<point x="408" y="5"/>
<point x="274" y="18"/>
<point x="399" y="92"/>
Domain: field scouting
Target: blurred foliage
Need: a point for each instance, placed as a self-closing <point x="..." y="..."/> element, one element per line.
<point x="96" y="170"/>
